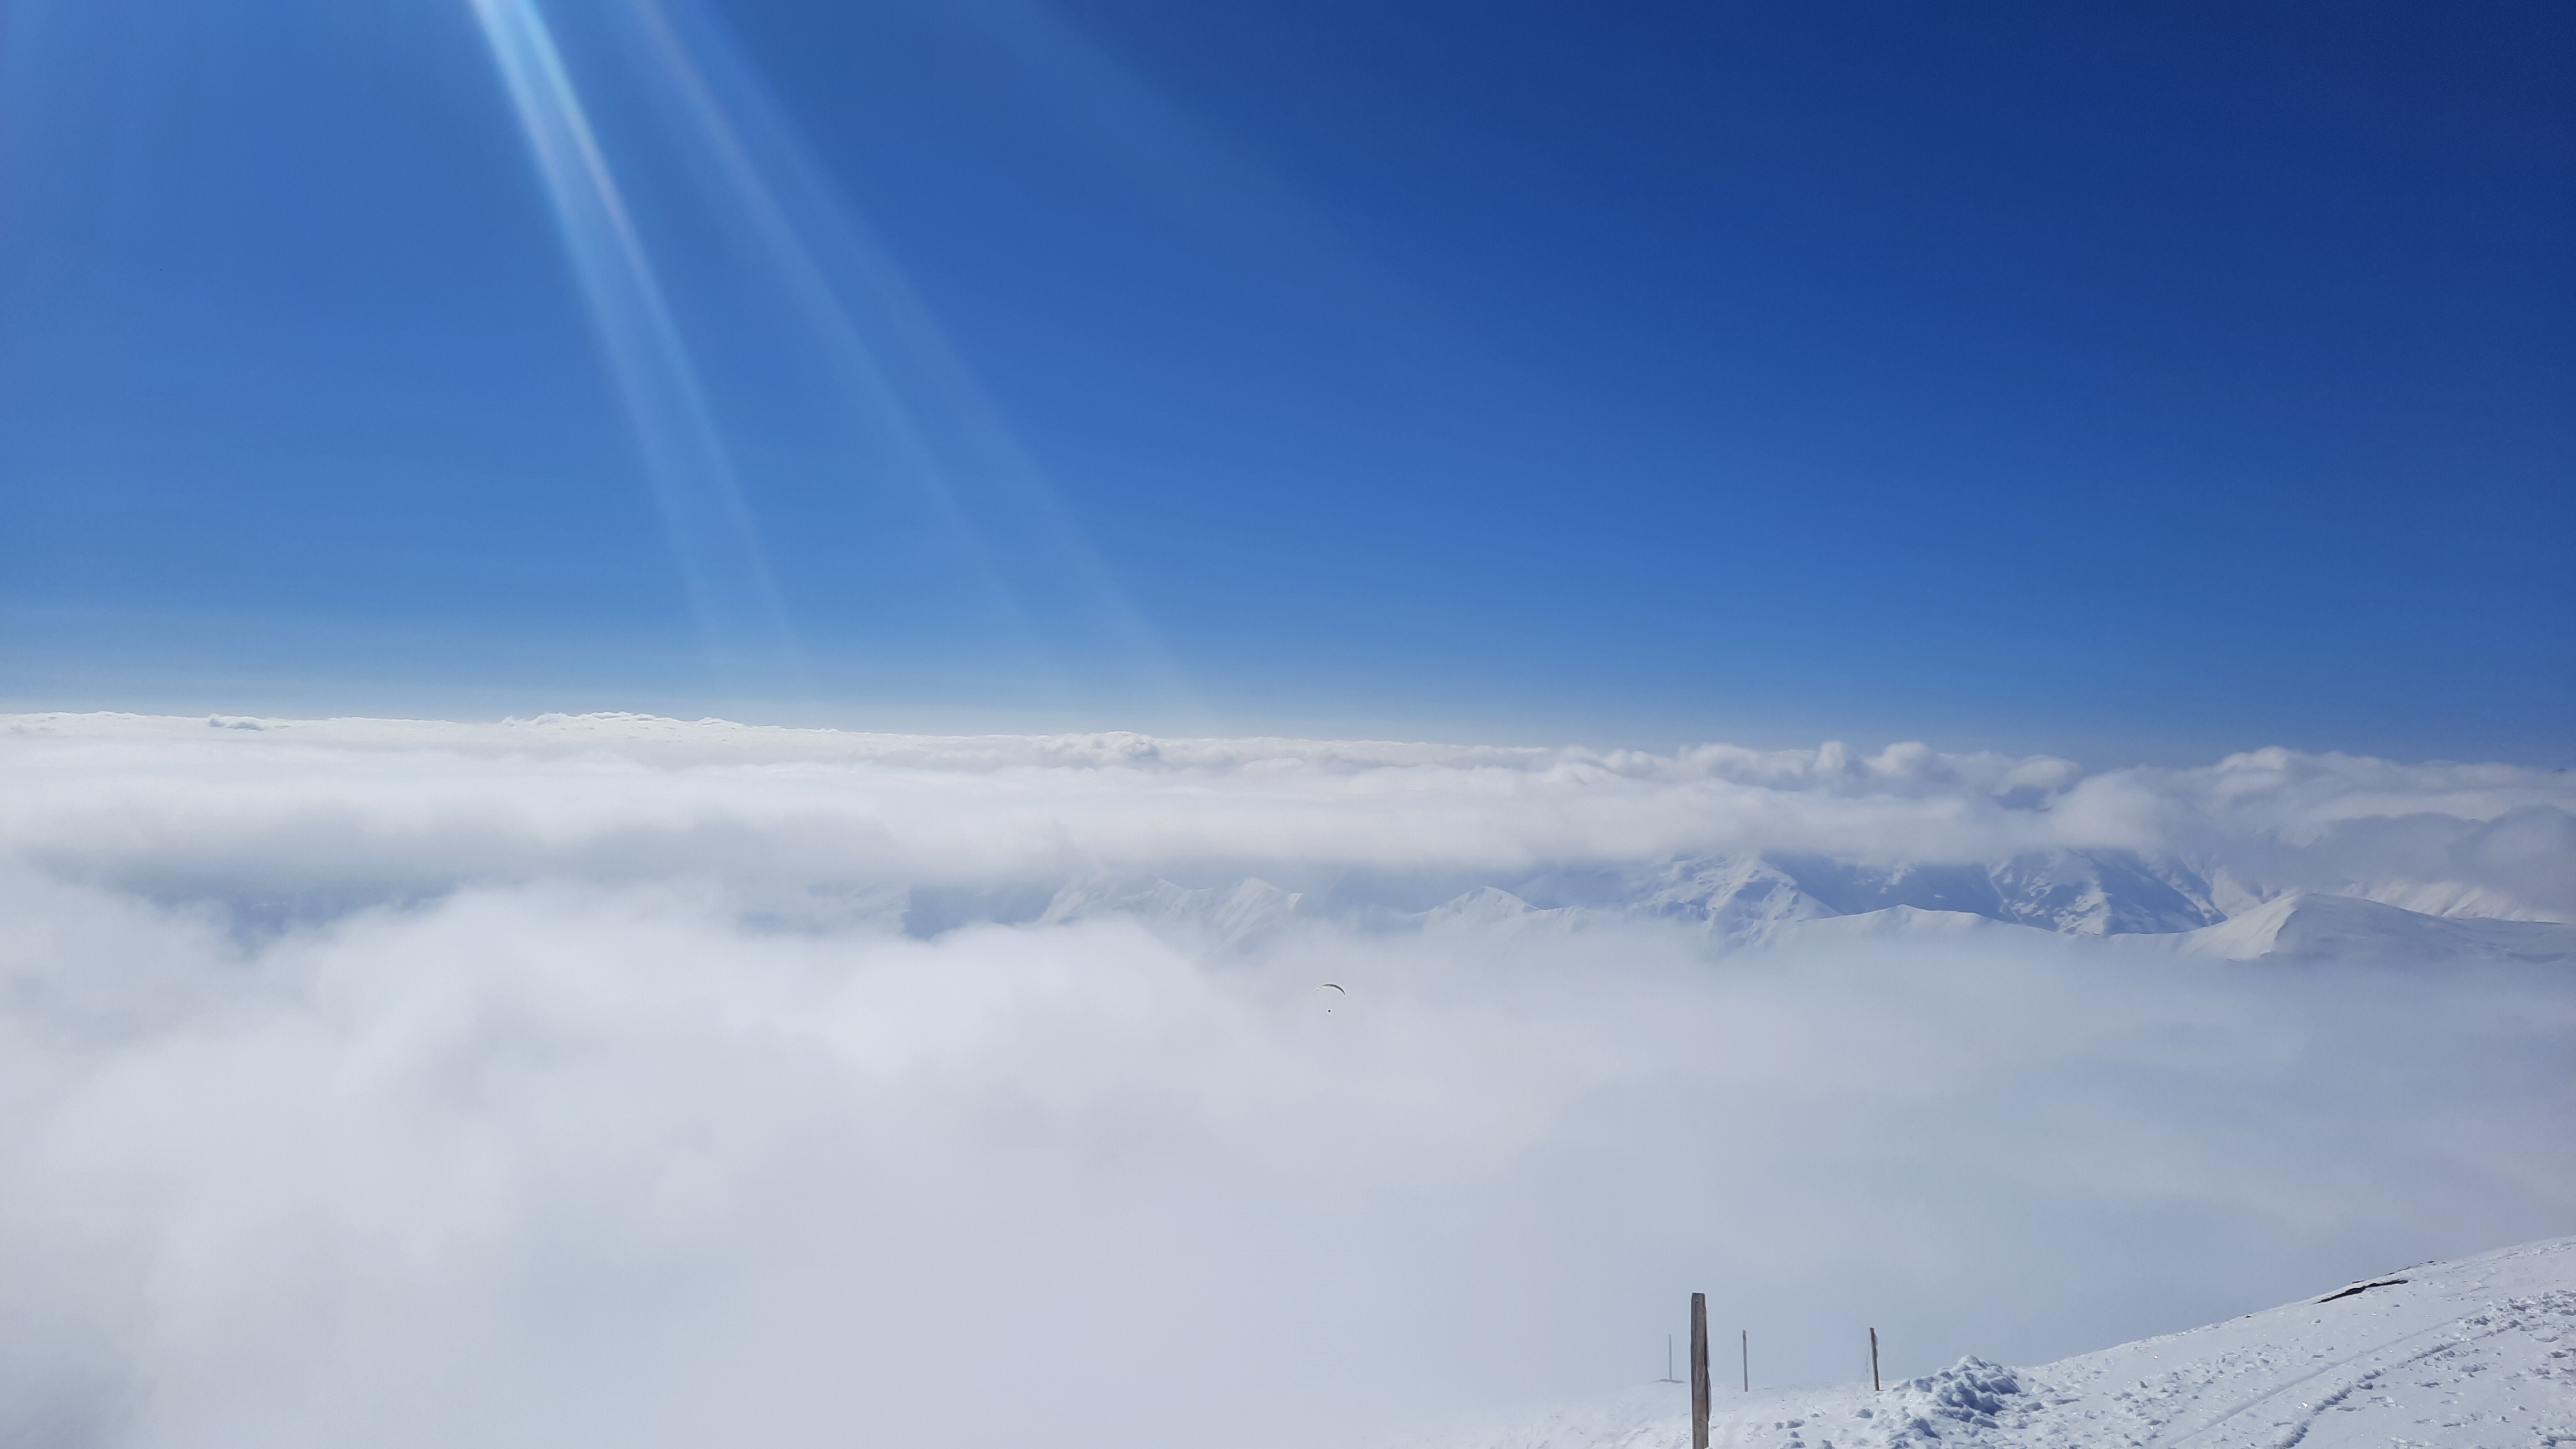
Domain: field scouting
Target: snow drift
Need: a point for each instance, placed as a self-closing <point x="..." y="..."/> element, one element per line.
<point x="2467" y="1352"/>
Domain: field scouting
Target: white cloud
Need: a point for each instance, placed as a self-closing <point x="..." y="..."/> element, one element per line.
<point x="571" y="1083"/>
<point x="364" y="807"/>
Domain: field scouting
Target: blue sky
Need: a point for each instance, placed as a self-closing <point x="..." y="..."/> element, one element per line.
<point x="2124" y="381"/>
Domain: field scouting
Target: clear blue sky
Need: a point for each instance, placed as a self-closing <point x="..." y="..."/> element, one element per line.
<point x="2123" y="380"/>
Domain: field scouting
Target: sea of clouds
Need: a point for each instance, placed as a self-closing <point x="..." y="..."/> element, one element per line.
<point x="611" y="1080"/>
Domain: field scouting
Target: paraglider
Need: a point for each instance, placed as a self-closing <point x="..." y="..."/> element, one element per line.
<point x="1330" y="986"/>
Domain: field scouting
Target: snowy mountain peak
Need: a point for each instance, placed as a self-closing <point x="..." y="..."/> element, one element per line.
<point x="1227" y="916"/>
<point x="2314" y="927"/>
<point x="1752" y="897"/>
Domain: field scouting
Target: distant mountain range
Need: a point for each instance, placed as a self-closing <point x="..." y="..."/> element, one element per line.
<point x="1737" y="902"/>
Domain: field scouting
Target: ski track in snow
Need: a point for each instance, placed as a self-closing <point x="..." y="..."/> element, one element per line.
<point x="2481" y="1351"/>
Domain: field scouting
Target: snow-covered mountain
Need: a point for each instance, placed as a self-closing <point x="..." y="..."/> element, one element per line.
<point x="2311" y="927"/>
<point x="1745" y="898"/>
<point x="1240" y="915"/>
<point x="2480" y="1351"/>
<point x="1752" y="901"/>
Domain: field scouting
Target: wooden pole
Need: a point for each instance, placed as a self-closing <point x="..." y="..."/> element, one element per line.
<point x="1873" y="1360"/>
<point x="1699" y="1371"/>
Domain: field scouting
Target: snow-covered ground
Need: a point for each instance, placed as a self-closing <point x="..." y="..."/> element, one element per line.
<point x="2480" y="1351"/>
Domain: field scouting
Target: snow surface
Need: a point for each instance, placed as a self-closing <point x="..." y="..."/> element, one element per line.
<point x="2301" y="927"/>
<point x="2310" y="927"/>
<point x="2479" y="1351"/>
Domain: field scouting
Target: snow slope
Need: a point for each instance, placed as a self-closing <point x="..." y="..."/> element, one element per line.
<point x="2481" y="1351"/>
<point x="2301" y="927"/>
<point x="2312" y="927"/>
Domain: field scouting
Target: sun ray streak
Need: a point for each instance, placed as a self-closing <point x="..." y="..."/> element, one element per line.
<point x="846" y="284"/>
<point x="712" y="533"/>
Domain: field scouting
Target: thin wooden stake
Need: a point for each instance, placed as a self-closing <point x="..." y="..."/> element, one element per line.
<point x="1873" y="1360"/>
<point x="1699" y="1371"/>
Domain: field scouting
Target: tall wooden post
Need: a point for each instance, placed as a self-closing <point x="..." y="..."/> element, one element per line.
<point x="1873" y="1360"/>
<point x="1699" y="1371"/>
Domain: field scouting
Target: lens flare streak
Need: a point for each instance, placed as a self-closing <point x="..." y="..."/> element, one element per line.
<point x="712" y="532"/>
<point x="944" y="433"/>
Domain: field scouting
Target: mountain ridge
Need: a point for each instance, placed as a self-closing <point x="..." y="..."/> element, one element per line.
<point x="1757" y="900"/>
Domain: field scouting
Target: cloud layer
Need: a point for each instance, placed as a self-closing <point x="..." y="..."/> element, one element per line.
<point x="315" y="814"/>
<point x="579" y="1081"/>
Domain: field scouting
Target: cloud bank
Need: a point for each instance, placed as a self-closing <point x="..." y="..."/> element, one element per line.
<point x="326" y="813"/>
<point x="629" y="1081"/>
